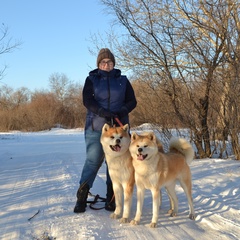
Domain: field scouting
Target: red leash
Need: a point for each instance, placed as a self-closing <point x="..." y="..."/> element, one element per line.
<point x="119" y="122"/>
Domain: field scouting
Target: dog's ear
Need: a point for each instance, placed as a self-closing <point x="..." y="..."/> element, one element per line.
<point x="125" y="127"/>
<point x="152" y="137"/>
<point x="133" y="136"/>
<point x="105" y="127"/>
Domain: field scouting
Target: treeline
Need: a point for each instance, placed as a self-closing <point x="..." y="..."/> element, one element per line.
<point x="62" y="106"/>
<point x="35" y="111"/>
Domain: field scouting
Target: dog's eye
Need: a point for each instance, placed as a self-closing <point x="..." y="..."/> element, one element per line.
<point x="145" y="146"/>
<point x="112" y="137"/>
<point x="121" y="137"/>
<point x="137" y="146"/>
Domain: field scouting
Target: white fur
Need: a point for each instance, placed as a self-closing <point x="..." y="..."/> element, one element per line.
<point x="154" y="170"/>
<point x="120" y="168"/>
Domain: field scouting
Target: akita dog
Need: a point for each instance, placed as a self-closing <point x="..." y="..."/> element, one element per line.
<point x="115" y="142"/>
<point x="155" y="169"/>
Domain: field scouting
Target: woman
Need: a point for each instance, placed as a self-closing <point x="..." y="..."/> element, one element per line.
<point x="106" y="95"/>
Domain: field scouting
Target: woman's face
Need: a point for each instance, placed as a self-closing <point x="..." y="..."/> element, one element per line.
<point x="106" y="65"/>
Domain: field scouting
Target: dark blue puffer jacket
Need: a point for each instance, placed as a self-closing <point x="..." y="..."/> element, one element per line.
<point x="108" y="90"/>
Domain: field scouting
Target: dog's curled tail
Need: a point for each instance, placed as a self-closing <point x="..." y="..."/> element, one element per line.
<point x="183" y="146"/>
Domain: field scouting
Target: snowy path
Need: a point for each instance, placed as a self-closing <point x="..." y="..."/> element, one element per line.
<point x="40" y="171"/>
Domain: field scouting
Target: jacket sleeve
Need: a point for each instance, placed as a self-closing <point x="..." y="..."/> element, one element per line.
<point x="88" y="97"/>
<point x="130" y="99"/>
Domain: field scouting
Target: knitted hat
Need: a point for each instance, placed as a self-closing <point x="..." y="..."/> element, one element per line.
<point x="105" y="53"/>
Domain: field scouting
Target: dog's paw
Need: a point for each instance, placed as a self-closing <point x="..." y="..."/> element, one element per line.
<point x="152" y="225"/>
<point x="134" y="222"/>
<point x="124" y="220"/>
<point x="170" y="211"/>
<point x="114" y="216"/>
<point x="192" y="216"/>
<point x="173" y="214"/>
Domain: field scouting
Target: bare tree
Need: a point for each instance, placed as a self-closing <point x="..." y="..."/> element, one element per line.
<point x="182" y="44"/>
<point x="11" y="99"/>
<point x="59" y="84"/>
<point x="69" y="95"/>
<point x="12" y="103"/>
<point x="7" y="45"/>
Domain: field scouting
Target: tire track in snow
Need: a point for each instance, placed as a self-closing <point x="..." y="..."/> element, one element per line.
<point x="211" y="216"/>
<point x="16" y="198"/>
<point x="216" y="198"/>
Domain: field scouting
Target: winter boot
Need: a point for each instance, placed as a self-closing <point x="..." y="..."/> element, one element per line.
<point x="82" y="195"/>
<point x="110" y="200"/>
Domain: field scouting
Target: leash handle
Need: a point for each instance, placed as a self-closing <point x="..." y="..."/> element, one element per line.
<point x="96" y="201"/>
<point x="118" y="121"/>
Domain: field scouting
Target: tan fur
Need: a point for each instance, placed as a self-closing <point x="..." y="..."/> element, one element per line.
<point x="120" y="167"/>
<point x="154" y="170"/>
<point x="159" y="144"/>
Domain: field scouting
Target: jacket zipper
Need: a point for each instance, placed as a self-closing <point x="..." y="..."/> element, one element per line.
<point x="109" y="93"/>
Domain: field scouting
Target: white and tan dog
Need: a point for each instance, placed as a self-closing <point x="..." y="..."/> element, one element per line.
<point x="115" y="142"/>
<point x="155" y="169"/>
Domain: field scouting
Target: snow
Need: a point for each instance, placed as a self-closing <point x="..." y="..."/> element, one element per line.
<point x="40" y="172"/>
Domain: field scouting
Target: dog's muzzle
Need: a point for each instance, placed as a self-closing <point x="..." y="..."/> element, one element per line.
<point x="141" y="156"/>
<point x="117" y="147"/>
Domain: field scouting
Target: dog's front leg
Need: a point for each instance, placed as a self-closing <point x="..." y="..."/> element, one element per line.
<point x="140" y="200"/>
<point x="155" y="207"/>
<point x="128" y="191"/>
<point x="118" y="192"/>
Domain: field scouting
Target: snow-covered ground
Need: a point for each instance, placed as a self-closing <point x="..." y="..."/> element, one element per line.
<point x="39" y="174"/>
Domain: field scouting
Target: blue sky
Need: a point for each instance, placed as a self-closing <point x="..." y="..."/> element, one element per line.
<point x="55" y="36"/>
